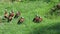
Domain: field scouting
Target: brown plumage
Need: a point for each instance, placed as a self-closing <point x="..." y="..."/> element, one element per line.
<point x="11" y="14"/>
<point x="5" y="14"/>
<point x="21" y="20"/>
<point x="9" y="18"/>
<point x="17" y="14"/>
<point x="37" y="19"/>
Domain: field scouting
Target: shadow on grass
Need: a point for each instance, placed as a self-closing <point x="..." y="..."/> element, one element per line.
<point x="54" y="29"/>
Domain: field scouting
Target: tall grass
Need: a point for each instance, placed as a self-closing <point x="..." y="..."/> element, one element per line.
<point x="28" y="11"/>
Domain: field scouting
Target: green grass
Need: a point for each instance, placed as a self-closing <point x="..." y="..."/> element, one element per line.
<point x="29" y="10"/>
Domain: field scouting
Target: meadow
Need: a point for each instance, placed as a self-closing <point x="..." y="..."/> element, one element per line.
<point x="28" y="10"/>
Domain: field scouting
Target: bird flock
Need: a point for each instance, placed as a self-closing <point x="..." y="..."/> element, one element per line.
<point x="37" y="19"/>
<point x="9" y="16"/>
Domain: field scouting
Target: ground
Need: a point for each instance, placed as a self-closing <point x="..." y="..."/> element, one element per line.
<point x="28" y="11"/>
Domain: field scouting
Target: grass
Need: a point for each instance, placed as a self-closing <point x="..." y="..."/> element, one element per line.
<point x="29" y="10"/>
